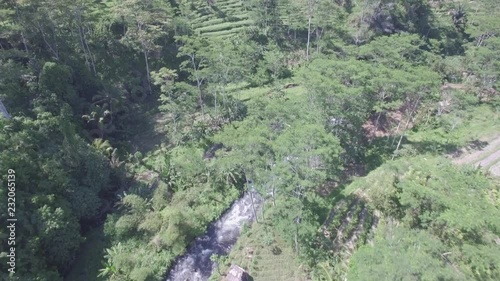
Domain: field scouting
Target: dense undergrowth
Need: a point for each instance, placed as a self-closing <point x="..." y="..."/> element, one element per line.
<point x="136" y="123"/>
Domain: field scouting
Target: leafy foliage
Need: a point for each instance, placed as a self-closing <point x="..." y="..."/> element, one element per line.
<point x="450" y="204"/>
<point x="291" y="96"/>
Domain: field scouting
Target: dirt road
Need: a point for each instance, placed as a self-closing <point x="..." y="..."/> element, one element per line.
<point x="487" y="157"/>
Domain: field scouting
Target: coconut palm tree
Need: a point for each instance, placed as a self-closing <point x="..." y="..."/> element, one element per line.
<point x="459" y="17"/>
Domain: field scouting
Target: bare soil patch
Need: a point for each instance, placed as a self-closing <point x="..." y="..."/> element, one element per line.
<point x="481" y="153"/>
<point x="386" y="124"/>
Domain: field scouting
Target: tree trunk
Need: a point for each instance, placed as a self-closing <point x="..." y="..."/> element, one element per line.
<point x="406" y="127"/>
<point x="296" y="239"/>
<point x="397" y="147"/>
<point x="85" y="47"/>
<point x="319" y="32"/>
<point x="274" y="196"/>
<point x="378" y="118"/>
<point x="200" y="98"/>
<point x="54" y="35"/>
<point x="308" y="37"/>
<point x="402" y="135"/>
<point x="53" y="50"/>
<point x="175" y="124"/>
<point x="429" y="112"/>
<point x="397" y="130"/>
<point x="215" y="102"/>
<point x="147" y="70"/>
<point x="253" y="207"/>
<point x="22" y="33"/>
<point x="262" y="211"/>
<point x="199" y="82"/>
<point x="92" y="61"/>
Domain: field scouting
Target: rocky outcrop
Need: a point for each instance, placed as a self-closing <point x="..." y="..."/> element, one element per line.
<point x="237" y="273"/>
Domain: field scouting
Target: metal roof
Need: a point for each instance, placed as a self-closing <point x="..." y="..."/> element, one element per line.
<point x="4" y="110"/>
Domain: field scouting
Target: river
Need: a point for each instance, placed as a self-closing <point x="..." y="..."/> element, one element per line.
<point x="221" y="235"/>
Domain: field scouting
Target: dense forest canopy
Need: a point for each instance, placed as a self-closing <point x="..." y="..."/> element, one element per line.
<point x="133" y="124"/>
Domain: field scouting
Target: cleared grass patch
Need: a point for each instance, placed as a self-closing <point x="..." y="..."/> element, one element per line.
<point x="251" y="93"/>
<point x="231" y="6"/>
<point x="224" y="26"/>
<point x="219" y="21"/>
<point x="225" y="32"/>
<point x="225" y="2"/>
<point x="225" y="37"/>
<point x="265" y="256"/>
<point x="234" y="88"/>
<point x="242" y="92"/>
<point x="479" y="123"/>
<point x="201" y="20"/>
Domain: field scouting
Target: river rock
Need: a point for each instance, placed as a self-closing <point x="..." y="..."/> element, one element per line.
<point x="237" y="273"/>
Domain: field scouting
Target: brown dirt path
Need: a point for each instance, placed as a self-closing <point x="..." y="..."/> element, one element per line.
<point x="487" y="157"/>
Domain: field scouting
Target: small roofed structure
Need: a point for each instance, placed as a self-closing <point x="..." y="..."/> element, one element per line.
<point x="237" y="273"/>
<point x="4" y="110"/>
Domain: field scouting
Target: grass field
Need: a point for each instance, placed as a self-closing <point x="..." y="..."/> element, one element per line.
<point x="254" y="253"/>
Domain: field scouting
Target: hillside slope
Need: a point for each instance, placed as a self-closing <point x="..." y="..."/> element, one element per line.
<point x="222" y="19"/>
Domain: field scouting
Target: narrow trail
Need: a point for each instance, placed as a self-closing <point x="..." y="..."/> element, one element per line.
<point x="487" y="157"/>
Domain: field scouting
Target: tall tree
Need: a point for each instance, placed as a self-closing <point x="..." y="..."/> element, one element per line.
<point x="145" y="23"/>
<point x="196" y="49"/>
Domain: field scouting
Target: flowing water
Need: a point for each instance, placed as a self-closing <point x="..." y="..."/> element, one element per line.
<point x="221" y="235"/>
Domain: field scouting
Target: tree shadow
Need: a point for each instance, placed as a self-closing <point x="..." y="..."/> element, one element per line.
<point x="88" y="260"/>
<point x="433" y="147"/>
<point x="385" y="147"/>
<point x="143" y="129"/>
<point x="477" y="144"/>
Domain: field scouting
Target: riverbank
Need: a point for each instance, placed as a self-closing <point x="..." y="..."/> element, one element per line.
<point x="197" y="264"/>
<point x="265" y="255"/>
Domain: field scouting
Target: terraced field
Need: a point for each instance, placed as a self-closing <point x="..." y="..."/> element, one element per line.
<point x="223" y="19"/>
<point x="266" y="256"/>
<point x="349" y="225"/>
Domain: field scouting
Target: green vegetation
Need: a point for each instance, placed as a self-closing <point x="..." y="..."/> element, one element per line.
<point x="435" y="216"/>
<point x="133" y="124"/>
<point x="89" y="257"/>
<point x="265" y="255"/>
<point x="458" y="129"/>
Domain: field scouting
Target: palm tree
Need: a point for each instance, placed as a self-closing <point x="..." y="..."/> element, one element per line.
<point x="459" y="17"/>
<point x="110" y="269"/>
<point x="115" y="160"/>
<point x="100" y="118"/>
<point x="103" y="146"/>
